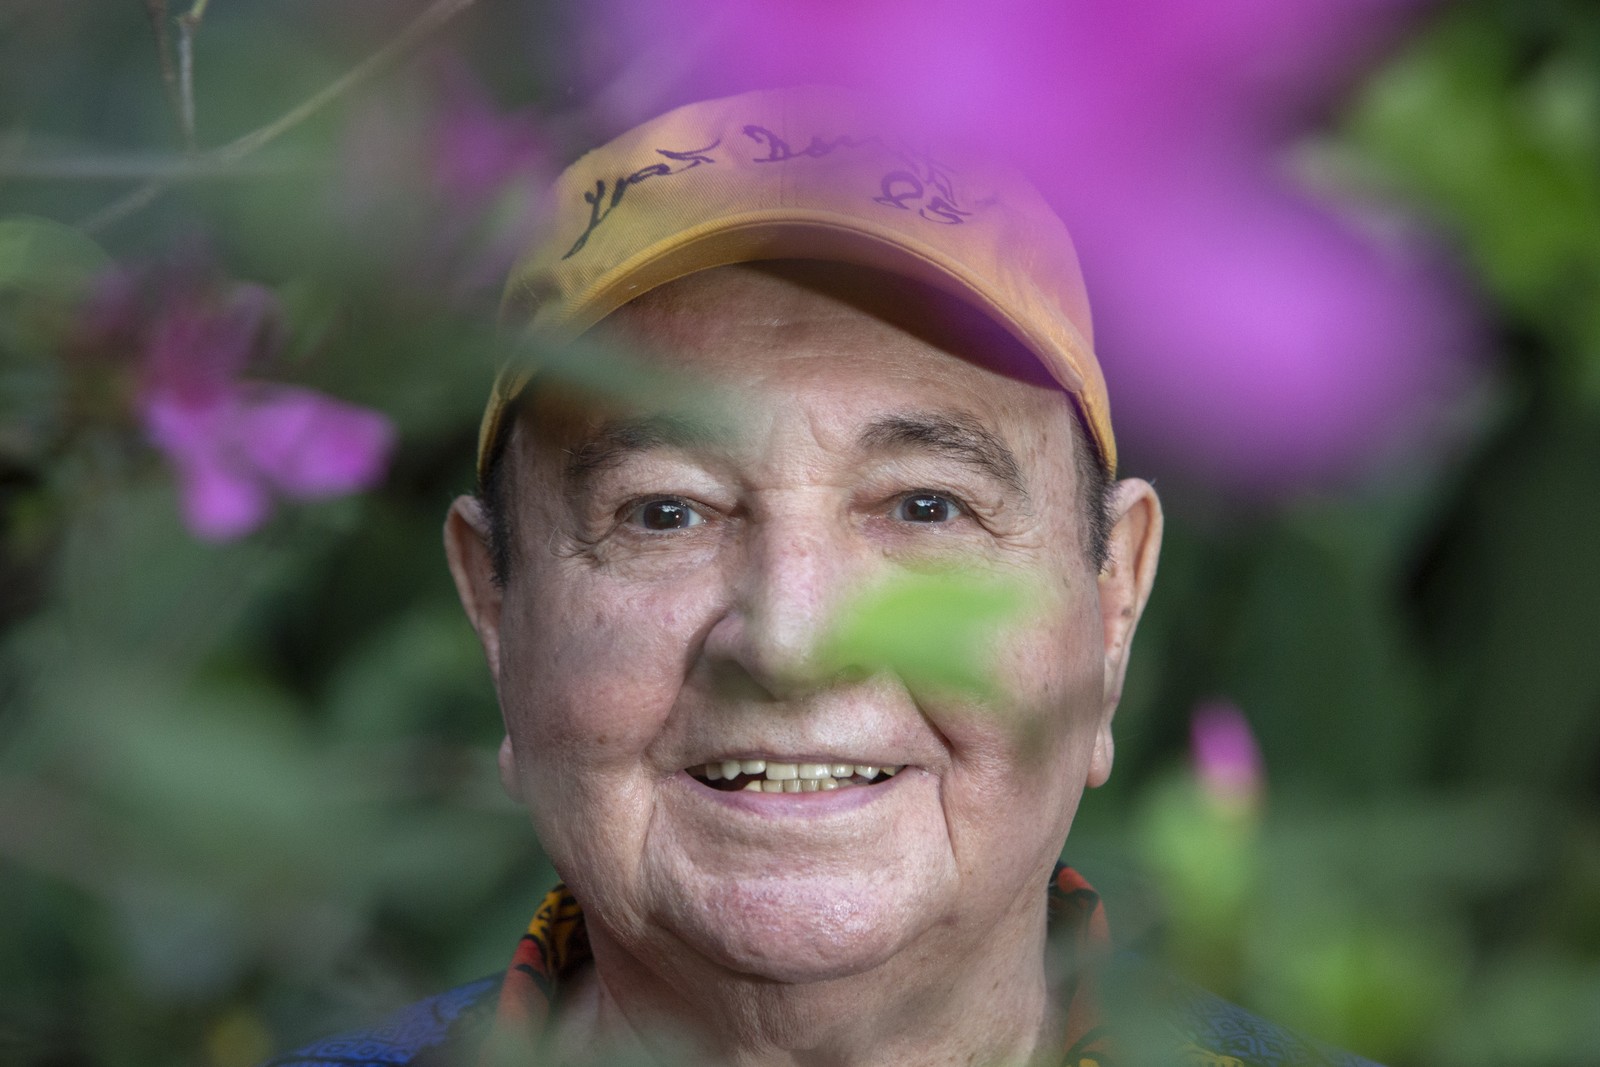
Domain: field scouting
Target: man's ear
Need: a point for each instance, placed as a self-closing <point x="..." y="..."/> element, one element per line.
<point x="1125" y="583"/>
<point x="466" y="546"/>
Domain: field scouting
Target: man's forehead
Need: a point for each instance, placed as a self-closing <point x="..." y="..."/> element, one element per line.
<point x="789" y="302"/>
<point x="876" y="359"/>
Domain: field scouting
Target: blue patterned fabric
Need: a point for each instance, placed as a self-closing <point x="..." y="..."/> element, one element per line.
<point x="1228" y="1030"/>
<point x="433" y="1030"/>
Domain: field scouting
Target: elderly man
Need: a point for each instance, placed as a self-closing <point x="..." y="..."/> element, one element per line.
<point x="861" y="364"/>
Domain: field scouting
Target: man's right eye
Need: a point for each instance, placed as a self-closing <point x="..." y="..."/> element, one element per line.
<point x="665" y="513"/>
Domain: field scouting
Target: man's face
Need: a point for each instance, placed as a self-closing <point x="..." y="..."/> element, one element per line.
<point x="672" y="578"/>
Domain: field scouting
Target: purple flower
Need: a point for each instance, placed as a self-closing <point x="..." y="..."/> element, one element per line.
<point x="1227" y="762"/>
<point x="237" y="445"/>
<point x="1254" y="335"/>
<point x="477" y="148"/>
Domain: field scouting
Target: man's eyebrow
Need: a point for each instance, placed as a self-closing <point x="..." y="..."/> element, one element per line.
<point x="957" y="436"/>
<point x="616" y="440"/>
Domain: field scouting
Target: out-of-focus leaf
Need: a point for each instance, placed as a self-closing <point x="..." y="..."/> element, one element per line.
<point x="41" y="257"/>
<point x="606" y="371"/>
<point x="1361" y="980"/>
<point x="937" y="630"/>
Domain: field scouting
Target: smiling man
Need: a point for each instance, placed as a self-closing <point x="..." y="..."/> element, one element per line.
<point x="855" y="366"/>
<point x="749" y="830"/>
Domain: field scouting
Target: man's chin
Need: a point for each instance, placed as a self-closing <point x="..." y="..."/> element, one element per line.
<point x="799" y="930"/>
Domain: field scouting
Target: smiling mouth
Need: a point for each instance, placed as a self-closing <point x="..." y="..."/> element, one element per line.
<point x="775" y="776"/>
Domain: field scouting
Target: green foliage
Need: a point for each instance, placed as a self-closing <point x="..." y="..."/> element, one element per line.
<point x="1511" y="161"/>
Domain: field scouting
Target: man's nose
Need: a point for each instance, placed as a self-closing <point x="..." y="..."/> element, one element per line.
<point x="787" y="587"/>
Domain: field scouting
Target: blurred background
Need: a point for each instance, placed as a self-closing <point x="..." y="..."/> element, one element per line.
<point x="1345" y="263"/>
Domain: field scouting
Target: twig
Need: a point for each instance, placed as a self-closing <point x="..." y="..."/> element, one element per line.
<point x="157" y="10"/>
<point x="137" y="200"/>
<point x="434" y="16"/>
<point x="188" y="25"/>
<point x="125" y="168"/>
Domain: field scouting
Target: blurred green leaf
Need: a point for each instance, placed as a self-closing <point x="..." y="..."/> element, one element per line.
<point x="41" y="257"/>
<point x="933" y="629"/>
<point x="1358" y="979"/>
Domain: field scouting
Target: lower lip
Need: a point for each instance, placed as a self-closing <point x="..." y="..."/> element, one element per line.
<point x="822" y="802"/>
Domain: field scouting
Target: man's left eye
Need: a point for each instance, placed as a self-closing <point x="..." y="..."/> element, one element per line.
<point x="926" y="507"/>
<point x="666" y="513"/>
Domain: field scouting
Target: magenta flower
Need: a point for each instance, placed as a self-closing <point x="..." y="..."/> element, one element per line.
<point x="1227" y="762"/>
<point x="1254" y="335"/>
<point x="477" y="148"/>
<point x="236" y="445"/>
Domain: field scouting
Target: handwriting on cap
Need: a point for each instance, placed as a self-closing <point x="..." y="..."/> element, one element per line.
<point x="921" y="185"/>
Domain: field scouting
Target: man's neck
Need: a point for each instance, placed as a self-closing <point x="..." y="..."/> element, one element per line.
<point x="993" y="1009"/>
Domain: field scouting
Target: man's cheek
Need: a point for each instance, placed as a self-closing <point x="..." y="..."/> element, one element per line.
<point x="604" y="713"/>
<point x="608" y="670"/>
<point x="1040" y="699"/>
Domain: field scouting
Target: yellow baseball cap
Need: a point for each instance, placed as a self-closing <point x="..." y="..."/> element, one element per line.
<point x="805" y="173"/>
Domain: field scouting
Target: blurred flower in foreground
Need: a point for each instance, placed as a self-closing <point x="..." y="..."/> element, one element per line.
<point x="1227" y="762"/>
<point x="236" y="444"/>
<point x="1252" y="333"/>
<point x="443" y="184"/>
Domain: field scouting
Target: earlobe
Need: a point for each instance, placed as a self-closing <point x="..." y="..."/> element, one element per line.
<point x="1102" y="758"/>
<point x="509" y="781"/>
<point x="466" y="546"/>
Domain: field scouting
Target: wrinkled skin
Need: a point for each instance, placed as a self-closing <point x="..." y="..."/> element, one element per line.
<point x="663" y="610"/>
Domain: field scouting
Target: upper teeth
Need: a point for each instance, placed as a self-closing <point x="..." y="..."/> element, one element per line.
<point x="791" y="777"/>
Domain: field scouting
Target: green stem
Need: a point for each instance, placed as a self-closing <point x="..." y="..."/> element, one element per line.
<point x="188" y="26"/>
<point x="157" y="10"/>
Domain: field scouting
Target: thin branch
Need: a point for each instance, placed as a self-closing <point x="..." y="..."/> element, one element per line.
<point x="135" y="201"/>
<point x="188" y="26"/>
<point x="157" y="10"/>
<point x="435" y="16"/>
<point x="432" y="18"/>
<point x="124" y="168"/>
